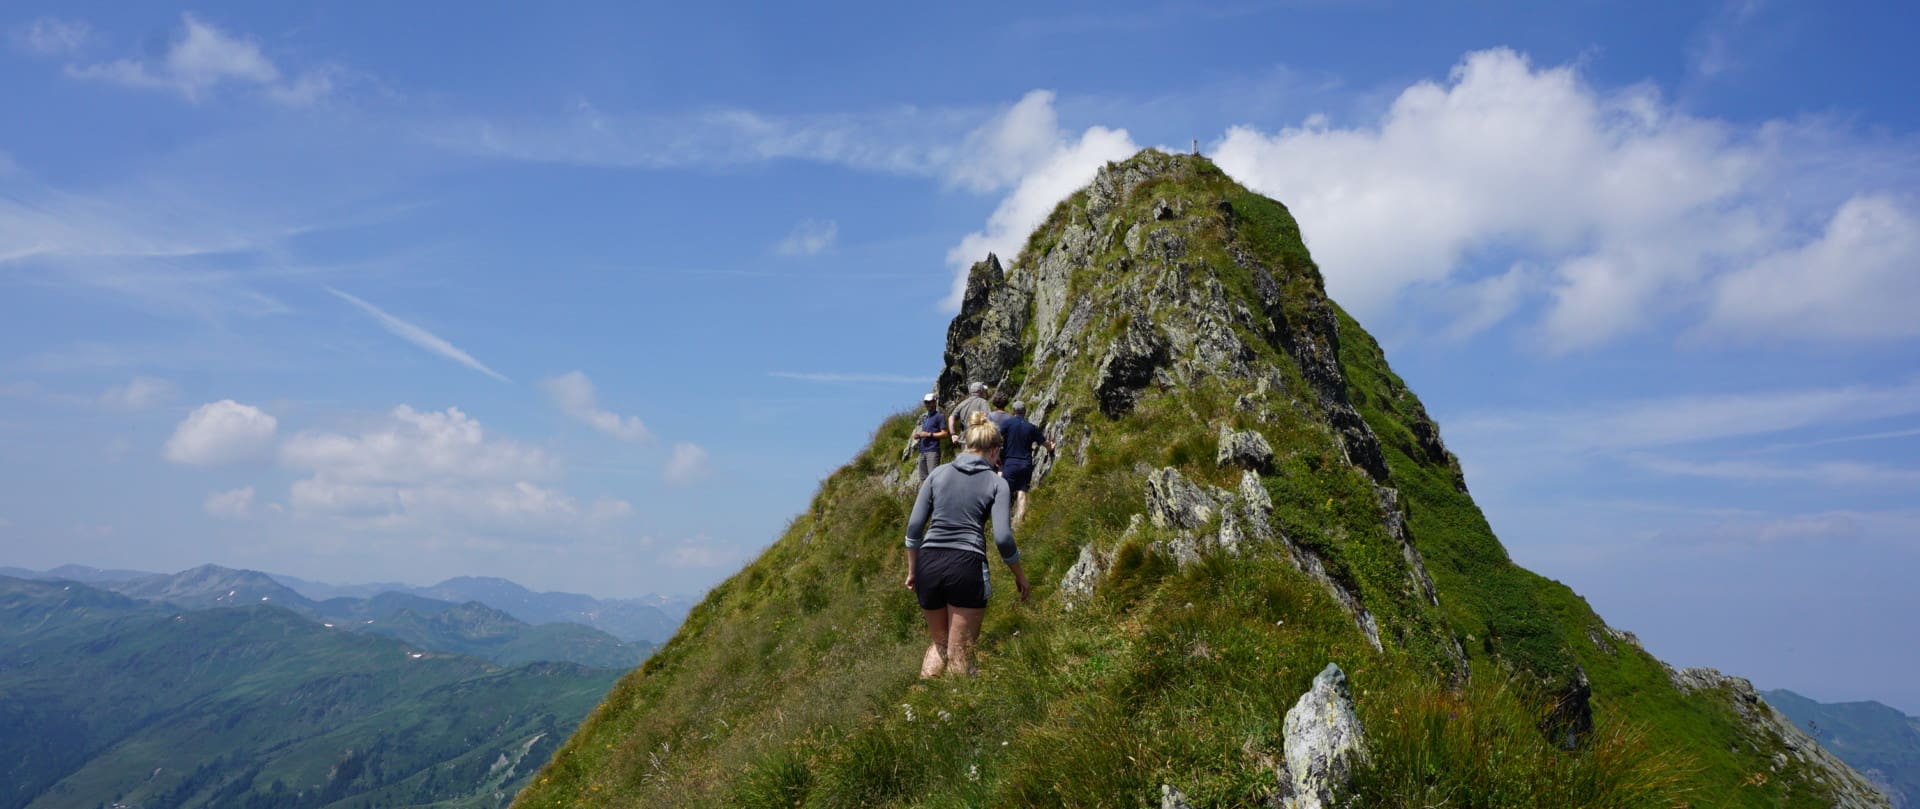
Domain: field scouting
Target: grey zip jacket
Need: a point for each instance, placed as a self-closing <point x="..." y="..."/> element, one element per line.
<point x="954" y="505"/>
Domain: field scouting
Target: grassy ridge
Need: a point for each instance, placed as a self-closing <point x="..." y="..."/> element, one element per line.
<point x="794" y="682"/>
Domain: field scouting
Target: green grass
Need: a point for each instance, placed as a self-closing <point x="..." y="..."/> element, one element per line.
<point x="1168" y="674"/>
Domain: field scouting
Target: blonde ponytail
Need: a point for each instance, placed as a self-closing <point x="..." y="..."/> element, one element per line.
<point x="981" y="434"/>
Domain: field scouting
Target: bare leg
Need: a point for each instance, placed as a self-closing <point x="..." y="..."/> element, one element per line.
<point x="935" y="660"/>
<point x="1019" y="508"/>
<point x="964" y="633"/>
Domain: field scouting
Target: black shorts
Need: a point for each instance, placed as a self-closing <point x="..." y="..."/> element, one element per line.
<point x="948" y="577"/>
<point x="1019" y="475"/>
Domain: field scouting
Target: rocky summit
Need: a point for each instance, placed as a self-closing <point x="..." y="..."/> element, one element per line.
<point x="1259" y="580"/>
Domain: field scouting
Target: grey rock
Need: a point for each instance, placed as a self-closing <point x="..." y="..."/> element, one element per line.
<point x="1244" y="448"/>
<point x="1570" y="720"/>
<point x="1173" y="501"/>
<point x="1081" y="579"/>
<point x="1324" y="743"/>
<point x="1172" y="798"/>
<point x="1128" y="365"/>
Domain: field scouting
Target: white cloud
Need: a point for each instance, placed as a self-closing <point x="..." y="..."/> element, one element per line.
<point x="1649" y="423"/>
<point x="1826" y="473"/>
<point x="431" y="473"/>
<point x="573" y="393"/>
<point x="419" y="336"/>
<point x="140" y="393"/>
<point x="1630" y="206"/>
<point x="202" y="58"/>
<point x="809" y="238"/>
<point x="412" y="446"/>
<point x="230" y="505"/>
<point x="52" y="35"/>
<point x="1003" y="151"/>
<point x="686" y="464"/>
<point x="910" y="141"/>
<point x="1859" y="280"/>
<point x="221" y="432"/>
<point x="886" y="379"/>
<point x="1026" y="142"/>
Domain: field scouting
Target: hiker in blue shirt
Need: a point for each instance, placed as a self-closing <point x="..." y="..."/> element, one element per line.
<point x="1016" y="460"/>
<point x="933" y="427"/>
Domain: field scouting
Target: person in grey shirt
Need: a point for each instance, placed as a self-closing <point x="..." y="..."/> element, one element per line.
<point x="976" y="402"/>
<point x="947" y="548"/>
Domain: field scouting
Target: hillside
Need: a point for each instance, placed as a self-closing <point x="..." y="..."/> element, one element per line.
<point x="105" y="698"/>
<point x="1880" y="742"/>
<point x="1243" y="493"/>
<point x="459" y="627"/>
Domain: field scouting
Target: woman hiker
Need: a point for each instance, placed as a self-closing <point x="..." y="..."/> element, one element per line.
<point x="947" y="549"/>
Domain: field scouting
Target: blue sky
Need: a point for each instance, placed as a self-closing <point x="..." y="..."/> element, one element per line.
<point x="591" y="297"/>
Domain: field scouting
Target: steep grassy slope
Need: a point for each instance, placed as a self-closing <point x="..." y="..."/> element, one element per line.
<point x="103" y="699"/>
<point x="1157" y="312"/>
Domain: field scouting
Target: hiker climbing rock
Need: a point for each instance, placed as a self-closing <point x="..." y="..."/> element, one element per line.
<point x="1016" y="464"/>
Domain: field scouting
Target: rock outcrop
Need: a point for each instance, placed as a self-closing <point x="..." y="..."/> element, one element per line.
<point x="1851" y="790"/>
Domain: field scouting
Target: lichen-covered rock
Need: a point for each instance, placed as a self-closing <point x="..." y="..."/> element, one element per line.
<point x="1324" y="743"/>
<point x="1173" y="501"/>
<point x="1077" y="586"/>
<point x="1172" y="798"/>
<point x="1244" y="448"/>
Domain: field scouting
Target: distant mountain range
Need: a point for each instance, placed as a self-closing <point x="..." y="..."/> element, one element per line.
<point x="227" y="689"/>
<point x="1879" y="741"/>
<point x="652" y="618"/>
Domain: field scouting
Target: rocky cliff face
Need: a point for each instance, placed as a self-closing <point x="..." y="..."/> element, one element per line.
<point x="1243" y="493"/>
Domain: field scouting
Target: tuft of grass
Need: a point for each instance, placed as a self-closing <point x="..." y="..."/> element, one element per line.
<point x="1480" y="748"/>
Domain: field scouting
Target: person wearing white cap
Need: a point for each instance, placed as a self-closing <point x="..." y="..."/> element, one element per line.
<point x="932" y="429"/>
<point x="976" y="402"/>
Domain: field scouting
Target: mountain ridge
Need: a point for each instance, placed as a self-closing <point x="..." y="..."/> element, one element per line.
<point x="113" y="699"/>
<point x="1243" y="491"/>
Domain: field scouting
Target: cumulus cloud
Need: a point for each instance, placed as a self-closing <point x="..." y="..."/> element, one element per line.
<point x="52" y="35"/>
<point x="573" y="393"/>
<point x="1026" y="147"/>
<point x="686" y="464"/>
<point x="411" y="446"/>
<point x="1859" y="280"/>
<point x="202" y="58"/>
<point x="419" y="336"/>
<point x="430" y="471"/>
<point x="1630" y="207"/>
<point x="140" y="393"/>
<point x="809" y="238"/>
<point x="221" y="432"/>
<point x="233" y="504"/>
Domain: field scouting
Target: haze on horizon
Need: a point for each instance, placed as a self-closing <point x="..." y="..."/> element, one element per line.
<point x="591" y="299"/>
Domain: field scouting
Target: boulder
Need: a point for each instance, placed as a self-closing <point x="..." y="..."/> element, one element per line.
<point x="1244" y="448"/>
<point x="1324" y="743"/>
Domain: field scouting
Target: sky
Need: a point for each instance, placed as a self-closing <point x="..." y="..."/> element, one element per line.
<point x="591" y="296"/>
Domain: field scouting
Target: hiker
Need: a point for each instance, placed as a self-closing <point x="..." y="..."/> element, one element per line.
<point x="976" y="402"/>
<point x="927" y="438"/>
<point x="999" y="414"/>
<point x="1016" y="463"/>
<point x="947" y="548"/>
